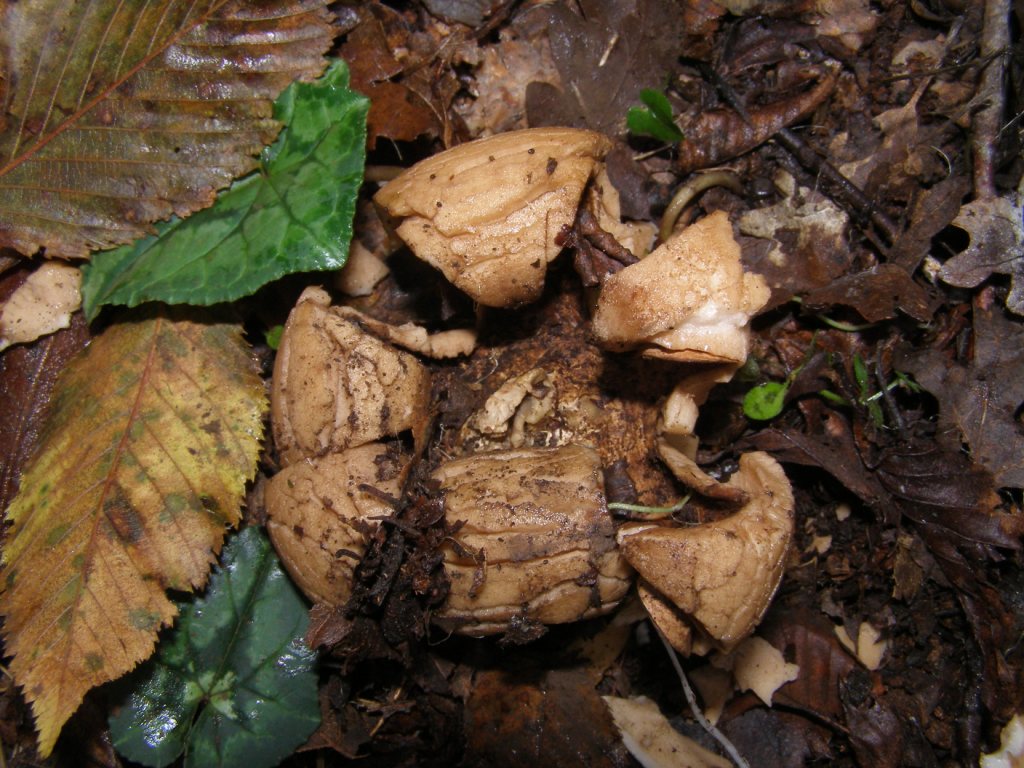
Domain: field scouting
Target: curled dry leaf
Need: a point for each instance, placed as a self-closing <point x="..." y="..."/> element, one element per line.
<point x="719" y="575"/>
<point x="689" y="300"/>
<point x="336" y="386"/>
<point x="487" y="213"/>
<point x="535" y="541"/>
<point x="716" y="135"/>
<point x="41" y="305"/>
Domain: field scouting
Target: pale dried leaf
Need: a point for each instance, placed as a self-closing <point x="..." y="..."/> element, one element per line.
<point x="996" y="228"/>
<point x="652" y="740"/>
<point x="41" y="305"/>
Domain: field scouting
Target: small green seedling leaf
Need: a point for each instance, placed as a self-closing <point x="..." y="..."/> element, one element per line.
<point x="860" y="373"/>
<point x="655" y="119"/>
<point x="765" y="401"/>
<point x="829" y="396"/>
<point x="293" y="215"/>
<point x="273" y="336"/>
<point x="658" y="103"/>
<point x="234" y="683"/>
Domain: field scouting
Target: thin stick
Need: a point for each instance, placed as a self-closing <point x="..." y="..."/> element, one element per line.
<point x="995" y="42"/>
<point x="716" y="734"/>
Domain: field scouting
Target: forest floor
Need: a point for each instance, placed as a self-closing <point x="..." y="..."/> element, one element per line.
<point x="877" y="150"/>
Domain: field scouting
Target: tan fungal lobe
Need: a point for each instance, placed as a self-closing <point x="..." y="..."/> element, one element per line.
<point x="536" y="542"/>
<point x="337" y="386"/>
<point x="487" y="213"/>
<point x="689" y="300"/>
<point x="320" y="513"/>
<point x="721" y="575"/>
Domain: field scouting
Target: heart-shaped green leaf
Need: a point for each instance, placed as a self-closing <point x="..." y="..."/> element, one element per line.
<point x="294" y="215"/>
<point x="234" y="683"/>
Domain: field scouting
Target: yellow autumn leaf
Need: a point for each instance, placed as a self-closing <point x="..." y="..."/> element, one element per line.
<point x="141" y="466"/>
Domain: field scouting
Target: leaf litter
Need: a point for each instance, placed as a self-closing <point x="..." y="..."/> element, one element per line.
<point x="900" y="427"/>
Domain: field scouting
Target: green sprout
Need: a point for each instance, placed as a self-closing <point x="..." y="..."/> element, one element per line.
<point x="651" y="513"/>
<point x="655" y="118"/>
<point x="866" y="397"/>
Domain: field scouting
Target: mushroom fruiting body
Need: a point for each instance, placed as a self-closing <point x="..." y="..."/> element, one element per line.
<point x="535" y="541"/>
<point x="336" y="386"/>
<point x="319" y="512"/>
<point x="720" y="575"/>
<point x="689" y="300"/>
<point x="487" y="213"/>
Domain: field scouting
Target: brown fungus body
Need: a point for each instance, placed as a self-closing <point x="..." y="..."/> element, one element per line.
<point x="487" y="213"/>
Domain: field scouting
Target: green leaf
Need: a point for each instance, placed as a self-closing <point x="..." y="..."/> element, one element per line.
<point x="234" y="684"/>
<point x="658" y="103"/>
<point x="765" y="401"/>
<point x="860" y="373"/>
<point x="293" y="215"/>
<point x="655" y="119"/>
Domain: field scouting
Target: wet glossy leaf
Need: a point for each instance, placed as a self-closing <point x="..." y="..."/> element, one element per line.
<point x="234" y="683"/>
<point x="121" y="114"/>
<point x="295" y="215"/>
<point x="141" y="464"/>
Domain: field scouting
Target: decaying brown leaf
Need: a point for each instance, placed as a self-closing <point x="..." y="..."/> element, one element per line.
<point x="996" y="229"/>
<point x="605" y="53"/>
<point x="877" y="294"/>
<point x="981" y="400"/>
<point x="552" y="717"/>
<point x="27" y="374"/>
<point x="398" y="109"/>
<point x="141" y="465"/>
<point x="119" y="115"/>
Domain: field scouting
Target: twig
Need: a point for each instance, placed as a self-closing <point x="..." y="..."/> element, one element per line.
<point x="995" y="42"/>
<point x="840" y="186"/>
<point x="687" y="192"/>
<point x="716" y="734"/>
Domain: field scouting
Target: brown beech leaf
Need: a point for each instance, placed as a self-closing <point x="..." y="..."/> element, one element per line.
<point x="118" y="115"/>
<point x="141" y="466"/>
